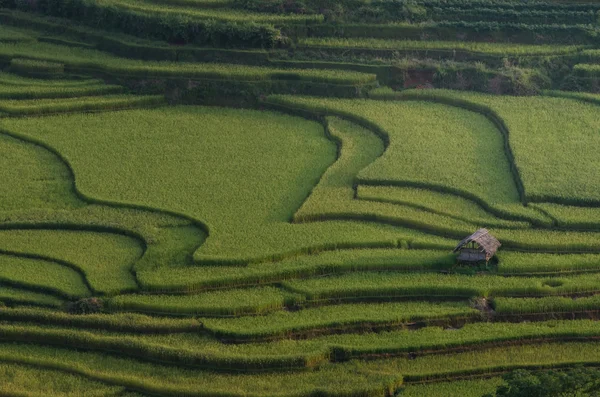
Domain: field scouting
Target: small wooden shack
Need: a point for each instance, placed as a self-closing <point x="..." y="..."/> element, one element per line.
<point x="479" y="247"/>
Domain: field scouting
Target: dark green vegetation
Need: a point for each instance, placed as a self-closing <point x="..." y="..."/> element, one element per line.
<point x="578" y="381"/>
<point x="261" y="197"/>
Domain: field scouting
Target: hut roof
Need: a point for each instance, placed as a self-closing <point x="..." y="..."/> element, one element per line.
<point x="484" y="239"/>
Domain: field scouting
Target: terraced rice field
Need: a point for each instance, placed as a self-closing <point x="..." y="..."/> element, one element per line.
<point x="245" y="198"/>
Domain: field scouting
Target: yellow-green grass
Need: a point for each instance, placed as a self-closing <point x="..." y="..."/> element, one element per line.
<point x="12" y="91"/>
<point x="188" y="279"/>
<point x="552" y="140"/>
<point x="196" y="350"/>
<point x="169" y="240"/>
<point x="97" y="366"/>
<point x="357" y="148"/>
<point x="400" y="215"/>
<point x="435" y="340"/>
<point x="200" y="350"/>
<point x="285" y="354"/>
<point x="449" y="205"/>
<point x="219" y="14"/>
<point x="550" y="241"/>
<point x="369" y="345"/>
<point x="78" y="104"/>
<point x="568" y="216"/>
<point x="499" y="49"/>
<point x="367" y="285"/>
<point x="104" y="259"/>
<point x="29" y="381"/>
<point x="458" y="388"/>
<point x="114" y="322"/>
<point x="326" y="319"/>
<point x="528" y="263"/>
<point x="32" y="178"/>
<point x="162" y="341"/>
<point x="201" y="162"/>
<point x="93" y="61"/>
<point x="546" y="305"/>
<point x="364" y="378"/>
<point x="37" y="189"/>
<point x="430" y="145"/>
<point x="44" y="276"/>
<point x="587" y="69"/>
<point x="129" y="345"/>
<point x="170" y="380"/>
<point x="592" y="53"/>
<point x="16" y="296"/>
<point x="581" y="96"/>
<point x="152" y="342"/>
<point x="333" y="197"/>
<point x="13" y="79"/>
<point x="487" y="362"/>
<point x="220" y="303"/>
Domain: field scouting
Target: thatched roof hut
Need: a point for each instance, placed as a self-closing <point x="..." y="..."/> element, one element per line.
<point x="480" y="246"/>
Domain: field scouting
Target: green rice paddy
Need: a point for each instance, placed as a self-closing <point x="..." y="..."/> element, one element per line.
<point x="180" y="218"/>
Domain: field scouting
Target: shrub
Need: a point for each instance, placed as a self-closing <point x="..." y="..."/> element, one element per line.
<point x="86" y="306"/>
<point x="579" y="381"/>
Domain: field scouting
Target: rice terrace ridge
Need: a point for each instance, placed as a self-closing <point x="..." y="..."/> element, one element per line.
<point x="303" y="198"/>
